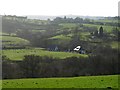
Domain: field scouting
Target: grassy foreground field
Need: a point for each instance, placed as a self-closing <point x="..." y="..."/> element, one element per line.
<point x="0" y="84"/>
<point x="18" y="54"/>
<point x="108" y="81"/>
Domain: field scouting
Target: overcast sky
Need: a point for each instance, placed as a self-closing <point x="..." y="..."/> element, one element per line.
<point x="59" y="7"/>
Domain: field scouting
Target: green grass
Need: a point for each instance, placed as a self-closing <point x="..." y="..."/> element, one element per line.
<point x="115" y="44"/>
<point x="6" y="34"/>
<point x="106" y="20"/>
<point x="2" y="33"/>
<point x="71" y="82"/>
<point x="73" y="25"/>
<point x="0" y="84"/>
<point x="68" y="25"/>
<point x="68" y="37"/>
<point x="18" y="54"/>
<point x="62" y="37"/>
<point x="106" y="28"/>
<point x="85" y="36"/>
<point x="13" y="40"/>
<point x="37" y="31"/>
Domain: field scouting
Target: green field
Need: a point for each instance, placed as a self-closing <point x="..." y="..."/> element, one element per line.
<point x="71" y="82"/>
<point x="38" y="31"/>
<point x="73" y="25"/>
<point x="83" y="36"/>
<point x="2" y="33"/>
<point x="115" y="44"/>
<point x="0" y="84"/>
<point x="105" y="27"/>
<point x="68" y="25"/>
<point x="106" y="20"/>
<point x="62" y="37"/>
<point x="18" y="54"/>
<point x="7" y="40"/>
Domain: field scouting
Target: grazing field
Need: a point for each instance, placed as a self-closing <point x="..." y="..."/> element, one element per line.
<point x="68" y="25"/>
<point x="105" y="27"/>
<point x="18" y="54"/>
<point x="38" y="31"/>
<point x="106" y="20"/>
<point x="72" y="25"/>
<point x="2" y="33"/>
<point x="108" y="81"/>
<point x="63" y="37"/>
<point x="115" y="44"/>
<point x="9" y="40"/>
<point x="0" y="84"/>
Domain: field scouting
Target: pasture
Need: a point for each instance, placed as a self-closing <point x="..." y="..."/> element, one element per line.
<point x="0" y="84"/>
<point x="107" y="81"/>
<point x="106" y="20"/>
<point x="115" y="44"/>
<point x="105" y="27"/>
<point x="63" y="37"/>
<point x="37" y="31"/>
<point x="73" y="25"/>
<point x="10" y="40"/>
<point x="68" y="25"/>
<point x="2" y="33"/>
<point x="18" y="54"/>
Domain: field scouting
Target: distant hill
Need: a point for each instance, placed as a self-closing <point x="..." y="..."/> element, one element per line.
<point x="43" y="17"/>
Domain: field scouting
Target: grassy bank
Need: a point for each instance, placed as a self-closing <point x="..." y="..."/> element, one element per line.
<point x="108" y="81"/>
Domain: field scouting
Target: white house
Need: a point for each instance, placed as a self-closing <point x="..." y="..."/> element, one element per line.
<point x="79" y="49"/>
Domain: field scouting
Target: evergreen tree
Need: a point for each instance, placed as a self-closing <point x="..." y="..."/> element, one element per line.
<point x="101" y="31"/>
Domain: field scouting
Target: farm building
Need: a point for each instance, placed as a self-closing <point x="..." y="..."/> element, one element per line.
<point x="53" y="48"/>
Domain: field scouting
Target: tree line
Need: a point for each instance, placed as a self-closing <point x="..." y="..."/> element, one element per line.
<point x="104" y="62"/>
<point x="86" y="20"/>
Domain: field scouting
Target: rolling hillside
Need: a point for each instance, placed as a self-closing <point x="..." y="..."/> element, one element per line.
<point x="13" y="41"/>
<point x="18" y="54"/>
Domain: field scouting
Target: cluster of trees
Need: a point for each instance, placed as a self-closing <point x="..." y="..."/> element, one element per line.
<point x="11" y="26"/>
<point x="81" y="20"/>
<point x="70" y="20"/>
<point x="98" y="33"/>
<point x="104" y="62"/>
<point x="116" y="32"/>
